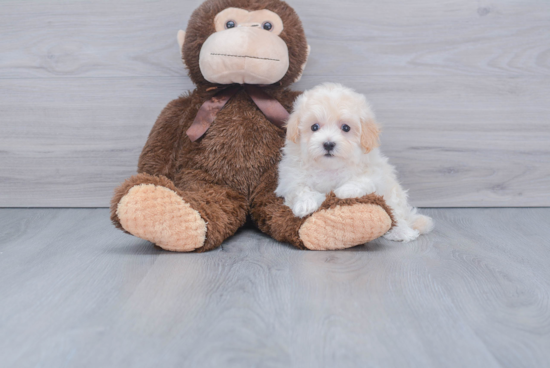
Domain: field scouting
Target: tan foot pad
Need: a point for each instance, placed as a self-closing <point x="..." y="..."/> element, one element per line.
<point x="161" y="216"/>
<point x="344" y="227"/>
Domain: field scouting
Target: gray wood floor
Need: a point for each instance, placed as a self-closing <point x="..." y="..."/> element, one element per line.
<point x="75" y="292"/>
<point x="461" y="87"/>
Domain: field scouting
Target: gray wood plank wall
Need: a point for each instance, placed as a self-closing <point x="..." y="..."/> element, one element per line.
<point x="461" y="87"/>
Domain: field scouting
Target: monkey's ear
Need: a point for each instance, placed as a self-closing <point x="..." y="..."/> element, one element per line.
<point x="303" y="65"/>
<point x="181" y="39"/>
<point x="370" y="132"/>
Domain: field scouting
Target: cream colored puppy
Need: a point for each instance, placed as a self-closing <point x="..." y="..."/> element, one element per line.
<point x="331" y="145"/>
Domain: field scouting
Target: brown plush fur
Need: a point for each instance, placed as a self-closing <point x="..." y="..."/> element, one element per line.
<point x="232" y="170"/>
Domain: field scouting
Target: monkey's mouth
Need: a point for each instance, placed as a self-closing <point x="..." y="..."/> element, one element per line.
<point x="244" y="56"/>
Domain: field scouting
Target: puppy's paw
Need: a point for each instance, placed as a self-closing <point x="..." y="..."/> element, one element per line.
<point x="353" y="190"/>
<point x="424" y="224"/>
<point x="402" y="233"/>
<point x="307" y="203"/>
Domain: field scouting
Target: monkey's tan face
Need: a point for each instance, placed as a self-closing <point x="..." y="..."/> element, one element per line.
<point x="246" y="48"/>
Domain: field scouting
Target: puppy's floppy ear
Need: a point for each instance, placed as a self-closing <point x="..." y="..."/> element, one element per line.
<point x="370" y="132"/>
<point x="293" y="123"/>
<point x="293" y="127"/>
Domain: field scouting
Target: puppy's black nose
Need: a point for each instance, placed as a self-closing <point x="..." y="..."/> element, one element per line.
<point x="329" y="146"/>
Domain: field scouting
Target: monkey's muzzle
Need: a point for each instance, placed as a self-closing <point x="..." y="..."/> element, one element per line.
<point x="244" y="55"/>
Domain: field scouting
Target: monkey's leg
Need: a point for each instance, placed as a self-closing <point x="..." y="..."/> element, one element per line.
<point x="197" y="216"/>
<point x="337" y="224"/>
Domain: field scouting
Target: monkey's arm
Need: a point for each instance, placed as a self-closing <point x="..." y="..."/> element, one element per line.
<point x="288" y="98"/>
<point x="158" y="156"/>
<point x="156" y="167"/>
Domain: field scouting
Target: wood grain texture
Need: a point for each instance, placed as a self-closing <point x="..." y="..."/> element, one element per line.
<point x="60" y="38"/>
<point x="456" y="141"/>
<point x="474" y="293"/>
<point x="462" y="89"/>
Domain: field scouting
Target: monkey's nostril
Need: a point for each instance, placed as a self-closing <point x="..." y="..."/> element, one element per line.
<point x="329" y="146"/>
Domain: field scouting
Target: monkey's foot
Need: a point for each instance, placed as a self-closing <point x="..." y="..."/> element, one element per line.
<point x="343" y="227"/>
<point x="160" y="215"/>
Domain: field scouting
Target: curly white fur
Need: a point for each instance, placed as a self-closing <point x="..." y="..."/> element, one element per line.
<point x="353" y="168"/>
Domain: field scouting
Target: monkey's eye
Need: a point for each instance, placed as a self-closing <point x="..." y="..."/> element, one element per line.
<point x="267" y="26"/>
<point x="230" y="24"/>
<point x="315" y="127"/>
<point x="346" y="128"/>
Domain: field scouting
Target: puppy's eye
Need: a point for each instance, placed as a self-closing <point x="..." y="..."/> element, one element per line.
<point x="346" y="128"/>
<point x="230" y="24"/>
<point x="267" y="26"/>
<point x="315" y="127"/>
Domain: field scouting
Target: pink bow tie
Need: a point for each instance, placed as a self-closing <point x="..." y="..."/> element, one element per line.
<point x="269" y="106"/>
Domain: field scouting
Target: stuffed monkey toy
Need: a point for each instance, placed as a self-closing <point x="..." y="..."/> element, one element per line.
<point x="211" y="158"/>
